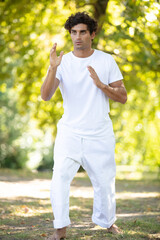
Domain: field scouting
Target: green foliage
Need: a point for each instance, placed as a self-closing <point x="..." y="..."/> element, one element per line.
<point x="129" y="30"/>
<point x="138" y="55"/>
<point x="12" y="153"/>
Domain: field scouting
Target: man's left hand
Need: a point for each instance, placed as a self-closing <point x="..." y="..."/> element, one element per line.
<point x="94" y="76"/>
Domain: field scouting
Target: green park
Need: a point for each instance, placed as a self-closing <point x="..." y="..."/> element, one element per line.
<point x="129" y="30"/>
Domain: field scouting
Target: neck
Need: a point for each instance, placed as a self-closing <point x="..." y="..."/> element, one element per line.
<point x="83" y="53"/>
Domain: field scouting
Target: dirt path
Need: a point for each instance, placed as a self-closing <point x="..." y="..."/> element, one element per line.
<point x="29" y="196"/>
<point x="12" y="188"/>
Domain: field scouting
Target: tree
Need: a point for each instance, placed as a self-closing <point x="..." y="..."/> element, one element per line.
<point x="128" y="30"/>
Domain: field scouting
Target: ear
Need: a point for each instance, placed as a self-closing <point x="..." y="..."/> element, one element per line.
<point x="93" y="35"/>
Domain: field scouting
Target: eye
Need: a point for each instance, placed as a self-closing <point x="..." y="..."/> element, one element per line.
<point x="73" y="32"/>
<point x="83" y="32"/>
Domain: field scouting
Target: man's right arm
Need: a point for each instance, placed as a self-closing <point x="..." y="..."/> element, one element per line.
<point x="51" y="82"/>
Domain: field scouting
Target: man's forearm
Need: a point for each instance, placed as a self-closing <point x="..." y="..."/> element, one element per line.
<point x="117" y="94"/>
<point x="50" y="84"/>
<point x="115" y="91"/>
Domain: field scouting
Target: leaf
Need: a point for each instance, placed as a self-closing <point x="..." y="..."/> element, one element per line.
<point x="44" y="235"/>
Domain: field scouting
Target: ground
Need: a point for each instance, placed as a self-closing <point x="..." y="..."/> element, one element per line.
<point x="25" y="209"/>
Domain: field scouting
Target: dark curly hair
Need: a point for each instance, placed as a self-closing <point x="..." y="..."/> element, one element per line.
<point x="81" y="17"/>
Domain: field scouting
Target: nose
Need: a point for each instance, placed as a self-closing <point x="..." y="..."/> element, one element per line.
<point x="78" y="35"/>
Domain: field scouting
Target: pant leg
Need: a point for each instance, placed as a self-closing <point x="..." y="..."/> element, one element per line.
<point x="100" y="165"/>
<point x="65" y="168"/>
<point x="60" y="186"/>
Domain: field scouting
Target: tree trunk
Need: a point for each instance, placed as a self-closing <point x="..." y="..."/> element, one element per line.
<point x="99" y="13"/>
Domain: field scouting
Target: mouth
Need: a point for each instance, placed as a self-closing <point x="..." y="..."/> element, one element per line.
<point x="78" y="42"/>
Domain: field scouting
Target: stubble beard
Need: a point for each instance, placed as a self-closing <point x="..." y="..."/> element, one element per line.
<point x="81" y="48"/>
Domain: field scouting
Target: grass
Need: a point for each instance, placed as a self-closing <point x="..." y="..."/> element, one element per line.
<point x="29" y="217"/>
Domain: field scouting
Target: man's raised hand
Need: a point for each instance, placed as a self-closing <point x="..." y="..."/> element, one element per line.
<point x="54" y="59"/>
<point x="94" y="76"/>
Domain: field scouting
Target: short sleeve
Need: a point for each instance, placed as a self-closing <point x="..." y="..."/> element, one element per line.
<point x="114" y="72"/>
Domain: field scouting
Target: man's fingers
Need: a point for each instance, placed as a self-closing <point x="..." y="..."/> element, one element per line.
<point x="89" y="67"/>
<point x="61" y="54"/>
<point x="52" y="50"/>
<point x="53" y="47"/>
<point x="91" y="70"/>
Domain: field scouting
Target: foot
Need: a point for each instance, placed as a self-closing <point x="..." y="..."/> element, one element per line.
<point x="59" y="234"/>
<point x="115" y="230"/>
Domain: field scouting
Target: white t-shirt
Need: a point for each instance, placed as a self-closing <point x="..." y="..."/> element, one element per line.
<point x="86" y="107"/>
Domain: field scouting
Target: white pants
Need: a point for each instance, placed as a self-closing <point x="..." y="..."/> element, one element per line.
<point x="96" y="155"/>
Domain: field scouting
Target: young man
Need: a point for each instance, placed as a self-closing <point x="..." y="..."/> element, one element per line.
<point x="87" y="79"/>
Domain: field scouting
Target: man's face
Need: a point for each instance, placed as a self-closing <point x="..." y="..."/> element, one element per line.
<point x="81" y="37"/>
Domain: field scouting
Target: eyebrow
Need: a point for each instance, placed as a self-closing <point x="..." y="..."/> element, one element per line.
<point x="84" y="30"/>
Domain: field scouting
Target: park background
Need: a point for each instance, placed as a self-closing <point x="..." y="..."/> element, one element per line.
<point x="128" y="29"/>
